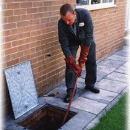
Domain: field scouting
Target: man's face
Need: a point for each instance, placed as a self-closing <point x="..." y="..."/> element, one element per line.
<point x="69" y="18"/>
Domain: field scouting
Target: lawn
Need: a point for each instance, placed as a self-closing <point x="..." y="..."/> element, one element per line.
<point x="115" y="118"/>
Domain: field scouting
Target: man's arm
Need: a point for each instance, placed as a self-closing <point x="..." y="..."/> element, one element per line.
<point x="63" y="39"/>
<point x="88" y="38"/>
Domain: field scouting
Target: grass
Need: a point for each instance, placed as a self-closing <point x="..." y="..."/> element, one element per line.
<point x="115" y="118"/>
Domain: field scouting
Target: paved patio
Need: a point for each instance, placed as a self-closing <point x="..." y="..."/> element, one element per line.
<point x="112" y="82"/>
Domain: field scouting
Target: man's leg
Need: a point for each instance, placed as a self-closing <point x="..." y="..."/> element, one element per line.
<point x="70" y="77"/>
<point x="91" y="70"/>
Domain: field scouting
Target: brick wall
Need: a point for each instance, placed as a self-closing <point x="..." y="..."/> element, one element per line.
<point x="30" y="33"/>
<point x="109" y="28"/>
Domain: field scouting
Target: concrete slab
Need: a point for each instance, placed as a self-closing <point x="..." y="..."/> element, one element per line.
<point x="111" y="63"/>
<point x="105" y="69"/>
<point x="61" y="89"/>
<point x="101" y="75"/>
<point x="78" y="122"/>
<point x="123" y="69"/>
<point x="118" y="58"/>
<point x="93" y="123"/>
<point x="111" y="85"/>
<point x="103" y="97"/>
<point x="118" y="77"/>
<point x="83" y="74"/>
<point x="88" y="105"/>
<point x="80" y="85"/>
<point x="123" y="53"/>
<point x="127" y="63"/>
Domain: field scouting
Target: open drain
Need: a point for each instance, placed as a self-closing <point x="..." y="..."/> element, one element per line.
<point x="47" y="118"/>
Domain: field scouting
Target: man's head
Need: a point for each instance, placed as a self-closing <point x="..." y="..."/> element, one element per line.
<point x="68" y="14"/>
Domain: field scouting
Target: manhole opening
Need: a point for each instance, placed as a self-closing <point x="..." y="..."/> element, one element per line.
<point x="47" y="118"/>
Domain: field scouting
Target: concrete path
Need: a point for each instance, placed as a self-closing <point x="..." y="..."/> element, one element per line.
<point x="112" y="80"/>
<point x="113" y="83"/>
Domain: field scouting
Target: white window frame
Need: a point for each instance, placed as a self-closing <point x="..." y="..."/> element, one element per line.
<point x="101" y="5"/>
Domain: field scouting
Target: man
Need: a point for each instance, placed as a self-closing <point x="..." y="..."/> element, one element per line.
<point x="75" y="28"/>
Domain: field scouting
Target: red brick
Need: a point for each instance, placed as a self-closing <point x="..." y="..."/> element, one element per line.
<point x="18" y="43"/>
<point x="30" y="40"/>
<point x="20" y="11"/>
<point x="7" y="1"/>
<point x="22" y="24"/>
<point x="32" y="10"/>
<point x="13" y="62"/>
<point x="7" y="45"/>
<point x="23" y="47"/>
<point x="37" y="4"/>
<point x="35" y="44"/>
<point x="10" y="51"/>
<point x="24" y="58"/>
<point x="16" y="55"/>
<point x="26" y="17"/>
<point x="8" y="13"/>
<point x="13" y="5"/>
<point x="6" y="58"/>
<point x="36" y="16"/>
<point x="34" y="22"/>
<point x="47" y="3"/>
<point x="6" y="32"/>
<point x="26" y="5"/>
<point x="9" y="26"/>
<point x="11" y="38"/>
<point x="29" y="51"/>
<point x="24" y="35"/>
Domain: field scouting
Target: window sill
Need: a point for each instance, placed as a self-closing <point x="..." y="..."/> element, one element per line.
<point x="96" y="6"/>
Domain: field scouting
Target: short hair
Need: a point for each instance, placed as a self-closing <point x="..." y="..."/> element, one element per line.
<point x="66" y="8"/>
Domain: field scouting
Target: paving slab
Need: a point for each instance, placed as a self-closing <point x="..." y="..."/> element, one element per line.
<point x="123" y="53"/>
<point x="83" y="74"/>
<point x="78" y="122"/>
<point x="118" y="58"/>
<point x="111" y="85"/>
<point x="88" y="105"/>
<point x="118" y="77"/>
<point x="93" y="123"/>
<point x="105" y="69"/>
<point x="123" y="69"/>
<point x="81" y="85"/>
<point x="103" y="97"/>
<point x="111" y="63"/>
<point x="101" y="75"/>
<point x="127" y="63"/>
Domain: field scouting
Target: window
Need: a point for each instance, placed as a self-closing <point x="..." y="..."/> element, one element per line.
<point x="94" y="4"/>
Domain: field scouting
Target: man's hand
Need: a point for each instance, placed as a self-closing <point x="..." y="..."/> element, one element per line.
<point x="72" y="63"/>
<point x="83" y="55"/>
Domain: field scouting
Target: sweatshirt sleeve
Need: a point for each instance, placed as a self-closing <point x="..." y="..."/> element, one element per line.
<point x="88" y="39"/>
<point x="63" y="38"/>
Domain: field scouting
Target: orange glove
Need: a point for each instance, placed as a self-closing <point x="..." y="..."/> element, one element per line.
<point x="83" y="55"/>
<point x="72" y="63"/>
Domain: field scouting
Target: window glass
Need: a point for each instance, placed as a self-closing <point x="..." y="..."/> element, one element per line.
<point x="82" y="2"/>
<point x="106" y="1"/>
<point x="95" y="1"/>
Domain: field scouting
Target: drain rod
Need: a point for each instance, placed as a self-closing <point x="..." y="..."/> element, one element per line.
<point x="70" y="101"/>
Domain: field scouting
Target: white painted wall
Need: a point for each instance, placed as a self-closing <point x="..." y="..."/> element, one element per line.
<point x="127" y="22"/>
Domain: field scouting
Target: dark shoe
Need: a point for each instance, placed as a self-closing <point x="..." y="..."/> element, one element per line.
<point x="93" y="89"/>
<point x="67" y="98"/>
